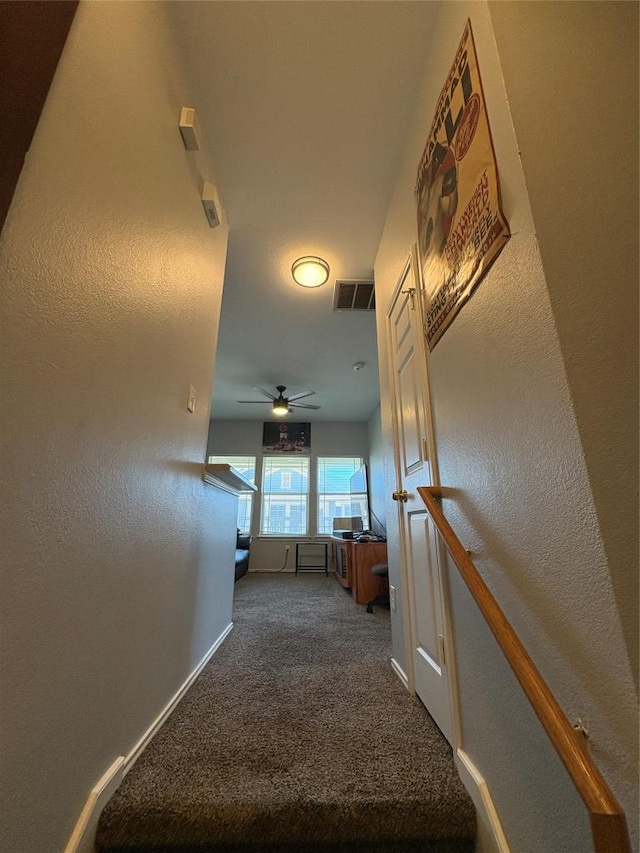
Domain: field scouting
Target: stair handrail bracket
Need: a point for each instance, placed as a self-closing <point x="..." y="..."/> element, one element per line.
<point x="608" y="822"/>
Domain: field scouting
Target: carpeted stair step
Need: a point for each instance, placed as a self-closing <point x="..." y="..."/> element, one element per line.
<point x="296" y="738"/>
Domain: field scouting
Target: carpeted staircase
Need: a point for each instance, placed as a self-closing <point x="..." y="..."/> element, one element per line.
<point x="297" y="737"/>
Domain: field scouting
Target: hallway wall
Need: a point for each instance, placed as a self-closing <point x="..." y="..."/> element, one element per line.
<point x="509" y="441"/>
<point x="116" y="579"/>
<point x="376" y="473"/>
<point x="590" y="249"/>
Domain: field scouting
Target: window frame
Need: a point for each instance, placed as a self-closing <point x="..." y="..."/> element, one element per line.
<point x="269" y="467"/>
<point x="324" y="495"/>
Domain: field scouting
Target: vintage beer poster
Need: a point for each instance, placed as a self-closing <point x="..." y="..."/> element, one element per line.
<point x="461" y="227"/>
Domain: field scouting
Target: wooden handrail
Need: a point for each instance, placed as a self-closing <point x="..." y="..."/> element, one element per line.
<point x="608" y="823"/>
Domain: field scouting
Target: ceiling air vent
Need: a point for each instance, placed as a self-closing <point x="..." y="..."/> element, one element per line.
<point x="351" y="295"/>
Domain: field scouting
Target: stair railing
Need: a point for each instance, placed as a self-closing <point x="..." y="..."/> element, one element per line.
<point x="608" y="823"/>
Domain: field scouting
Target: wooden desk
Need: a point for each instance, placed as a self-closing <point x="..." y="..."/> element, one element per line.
<point x="353" y="561"/>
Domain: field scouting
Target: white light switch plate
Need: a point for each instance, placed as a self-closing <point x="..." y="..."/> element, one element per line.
<point x="191" y="405"/>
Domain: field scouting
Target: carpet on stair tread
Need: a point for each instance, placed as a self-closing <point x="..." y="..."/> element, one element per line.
<point x="297" y="737"/>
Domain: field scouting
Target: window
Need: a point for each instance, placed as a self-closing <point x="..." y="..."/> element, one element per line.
<point x="285" y="496"/>
<point x="335" y="498"/>
<point x="246" y="466"/>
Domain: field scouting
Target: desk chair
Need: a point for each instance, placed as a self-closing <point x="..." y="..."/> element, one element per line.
<point x="380" y="570"/>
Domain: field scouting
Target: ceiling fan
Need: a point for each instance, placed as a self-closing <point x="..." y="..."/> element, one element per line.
<point x="281" y="405"/>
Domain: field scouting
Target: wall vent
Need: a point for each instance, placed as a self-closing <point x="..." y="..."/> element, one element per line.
<point x="354" y="295"/>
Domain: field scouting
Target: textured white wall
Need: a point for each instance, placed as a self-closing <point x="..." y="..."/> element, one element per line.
<point x="117" y="562"/>
<point x="590" y="249"/>
<point x="377" y="484"/>
<point x="327" y="438"/>
<point x="508" y="441"/>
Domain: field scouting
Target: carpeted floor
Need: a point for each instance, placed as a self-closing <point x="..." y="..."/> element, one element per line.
<point x="297" y="737"/>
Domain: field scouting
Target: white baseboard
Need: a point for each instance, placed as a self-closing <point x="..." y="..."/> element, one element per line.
<point x="399" y="671"/>
<point x="83" y="835"/>
<point x="155" y="726"/>
<point x="84" y="832"/>
<point x="490" y="837"/>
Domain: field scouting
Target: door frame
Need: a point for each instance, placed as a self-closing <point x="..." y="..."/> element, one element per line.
<point x="411" y="273"/>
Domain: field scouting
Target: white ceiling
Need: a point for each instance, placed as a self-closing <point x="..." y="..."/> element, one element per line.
<point x="304" y="107"/>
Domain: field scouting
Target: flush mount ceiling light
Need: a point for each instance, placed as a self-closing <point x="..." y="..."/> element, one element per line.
<point x="310" y="271"/>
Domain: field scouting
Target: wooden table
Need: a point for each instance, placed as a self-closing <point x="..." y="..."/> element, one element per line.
<point x="353" y="561"/>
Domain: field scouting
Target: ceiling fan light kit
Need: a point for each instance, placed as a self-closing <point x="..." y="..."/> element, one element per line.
<point x="310" y="271"/>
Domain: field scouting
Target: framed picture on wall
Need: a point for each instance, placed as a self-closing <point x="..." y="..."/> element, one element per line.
<point x="285" y="437"/>
<point x="461" y="226"/>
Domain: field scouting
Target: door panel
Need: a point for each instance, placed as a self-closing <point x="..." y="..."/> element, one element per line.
<point x="424" y="590"/>
<point x="412" y="429"/>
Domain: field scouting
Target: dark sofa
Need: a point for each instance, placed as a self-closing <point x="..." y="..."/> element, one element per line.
<point x="243" y="546"/>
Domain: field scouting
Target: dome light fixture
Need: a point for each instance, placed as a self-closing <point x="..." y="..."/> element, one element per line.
<point x="310" y="271"/>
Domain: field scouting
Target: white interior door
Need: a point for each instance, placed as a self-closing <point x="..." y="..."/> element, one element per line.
<point x="419" y="547"/>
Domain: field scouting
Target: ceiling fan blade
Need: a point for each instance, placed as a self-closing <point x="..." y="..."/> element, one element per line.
<point x="300" y="396"/>
<point x="262" y="402"/>
<point x="302" y="406"/>
<point x="264" y="393"/>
